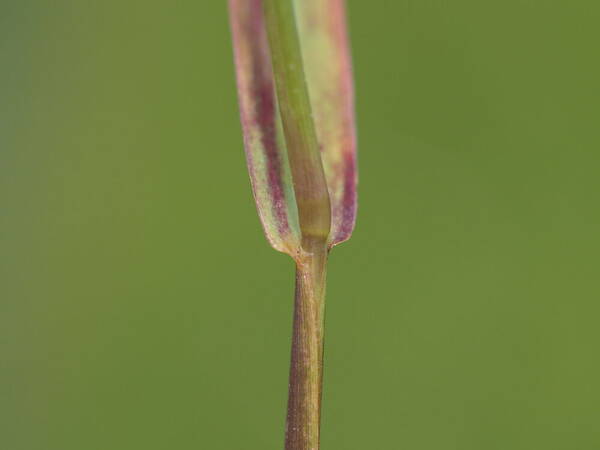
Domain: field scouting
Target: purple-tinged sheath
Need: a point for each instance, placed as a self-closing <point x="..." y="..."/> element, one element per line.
<point x="325" y="52"/>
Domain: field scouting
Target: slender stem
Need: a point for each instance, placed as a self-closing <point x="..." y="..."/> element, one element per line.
<point x="306" y="370"/>
<point x="310" y="186"/>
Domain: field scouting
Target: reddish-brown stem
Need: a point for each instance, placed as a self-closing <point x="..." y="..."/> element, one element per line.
<point x="306" y="370"/>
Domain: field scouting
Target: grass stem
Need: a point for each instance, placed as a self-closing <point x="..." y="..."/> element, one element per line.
<point x="306" y="369"/>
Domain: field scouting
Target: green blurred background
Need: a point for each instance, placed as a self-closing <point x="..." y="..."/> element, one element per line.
<point x="141" y="307"/>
